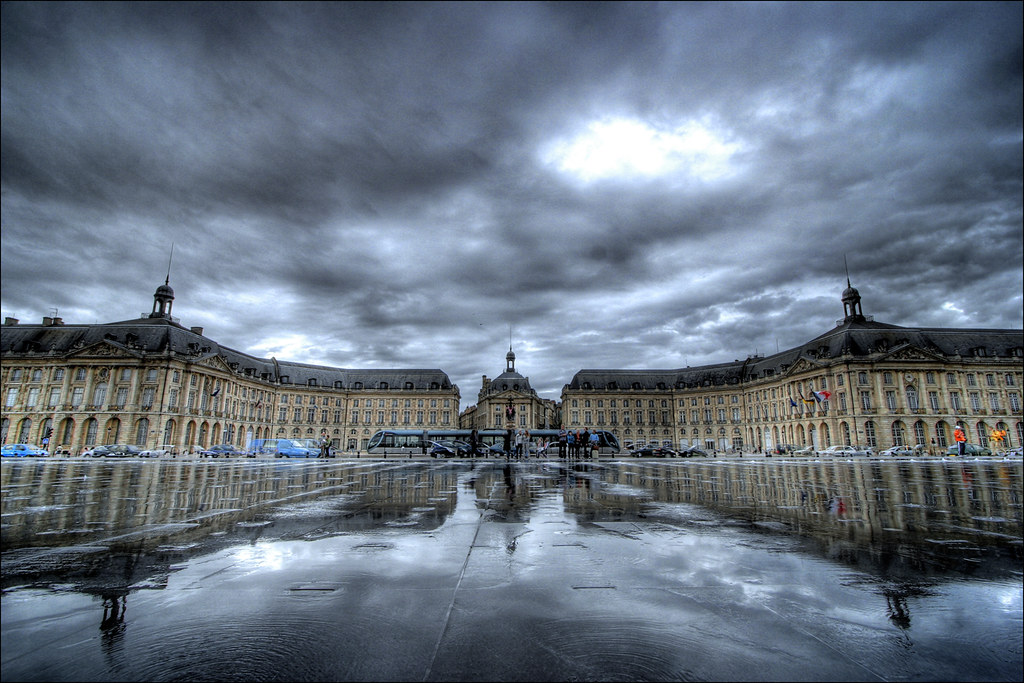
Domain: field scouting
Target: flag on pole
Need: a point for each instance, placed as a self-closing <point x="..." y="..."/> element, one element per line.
<point x="821" y="395"/>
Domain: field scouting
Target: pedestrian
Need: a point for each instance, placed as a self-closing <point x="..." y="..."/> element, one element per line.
<point x="563" y="441"/>
<point x="526" y="444"/>
<point x="571" y="444"/>
<point x="961" y="439"/>
<point x="595" y="444"/>
<point x="585" y="443"/>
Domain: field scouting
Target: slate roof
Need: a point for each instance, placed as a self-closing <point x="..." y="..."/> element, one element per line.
<point x="855" y="339"/>
<point x="158" y="336"/>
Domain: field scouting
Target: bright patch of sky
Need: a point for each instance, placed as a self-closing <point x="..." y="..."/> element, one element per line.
<point x="627" y="148"/>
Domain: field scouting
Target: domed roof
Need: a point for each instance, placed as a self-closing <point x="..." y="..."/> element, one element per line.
<point x="164" y="291"/>
<point x="850" y="293"/>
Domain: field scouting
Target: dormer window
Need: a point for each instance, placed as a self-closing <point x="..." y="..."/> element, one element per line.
<point x="311" y="382"/>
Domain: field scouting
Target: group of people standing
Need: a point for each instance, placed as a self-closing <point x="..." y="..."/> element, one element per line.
<point x="577" y="444"/>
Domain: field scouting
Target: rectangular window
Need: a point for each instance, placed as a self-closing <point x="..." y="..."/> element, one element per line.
<point x="282" y="414"/>
<point x="862" y="378"/>
<point x="933" y="400"/>
<point x="865" y="400"/>
<point x="887" y="377"/>
<point x="126" y="374"/>
<point x="990" y="380"/>
<point x="58" y="374"/>
<point x="122" y="396"/>
<point x="890" y="400"/>
<point x="151" y="375"/>
<point x="993" y="401"/>
<point x="1015" y="402"/>
<point x="54" y="397"/>
<point x="80" y="374"/>
<point x="33" y="397"/>
<point x="972" y="381"/>
<point x="297" y="415"/>
<point x="950" y="378"/>
<point x="929" y="377"/>
<point x="10" y="397"/>
<point x="954" y="401"/>
<point x="842" y="400"/>
<point x="975" y="400"/>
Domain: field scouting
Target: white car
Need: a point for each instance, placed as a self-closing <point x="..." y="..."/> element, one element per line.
<point x="845" y="450"/>
<point x="160" y="451"/>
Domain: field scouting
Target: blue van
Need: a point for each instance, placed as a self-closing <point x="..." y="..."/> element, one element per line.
<point x="283" y="448"/>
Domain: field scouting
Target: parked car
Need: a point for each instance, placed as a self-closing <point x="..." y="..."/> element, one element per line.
<point x="971" y="449"/>
<point x="693" y="452"/>
<point x="122" y="450"/>
<point x="160" y="451"/>
<point x="95" y="451"/>
<point x="845" y="450"/>
<point x="22" y="450"/>
<point x="905" y="451"/>
<point x="223" y="450"/>
<point x="653" y="451"/>
<point x="806" y="450"/>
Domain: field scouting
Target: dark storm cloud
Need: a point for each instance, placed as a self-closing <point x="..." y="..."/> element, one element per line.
<point x="386" y="185"/>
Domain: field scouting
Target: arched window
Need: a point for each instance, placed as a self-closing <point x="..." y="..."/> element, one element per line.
<point x="869" y="434"/>
<point x="982" y="431"/>
<point x="912" y="401"/>
<point x="142" y="432"/>
<point x="920" y="435"/>
<point x="91" y="429"/>
<point x="899" y="437"/>
<point x="942" y="435"/>
<point x="169" y="432"/>
<point x="23" y="430"/>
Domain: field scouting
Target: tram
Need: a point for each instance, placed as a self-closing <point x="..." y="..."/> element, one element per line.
<point x="410" y="442"/>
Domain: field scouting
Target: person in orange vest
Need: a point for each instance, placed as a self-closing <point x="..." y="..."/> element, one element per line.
<point x="961" y="439"/>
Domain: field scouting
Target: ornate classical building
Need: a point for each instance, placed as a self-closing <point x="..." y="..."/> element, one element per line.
<point x="510" y="389"/>
<point x="861" y="383"/>
<point x="152" y="381"/>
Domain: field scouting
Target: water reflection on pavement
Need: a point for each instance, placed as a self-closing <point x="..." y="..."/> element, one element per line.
<point x="362" y="570"/>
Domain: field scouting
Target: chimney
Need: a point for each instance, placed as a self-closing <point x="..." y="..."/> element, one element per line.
<point x="10" y="321"/>
<point x="47" y="322"/>
<point x="58" y="321"/>
<point x="198" y="330"/>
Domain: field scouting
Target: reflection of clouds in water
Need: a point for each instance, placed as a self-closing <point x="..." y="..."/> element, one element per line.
<point x="270" y="556"/>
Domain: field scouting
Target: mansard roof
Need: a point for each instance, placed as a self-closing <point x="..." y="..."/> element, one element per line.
<point x="161" y="336"/>
<point x="851" y="340"/>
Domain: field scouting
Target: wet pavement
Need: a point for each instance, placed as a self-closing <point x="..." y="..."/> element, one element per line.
<point x="727" y="569"/>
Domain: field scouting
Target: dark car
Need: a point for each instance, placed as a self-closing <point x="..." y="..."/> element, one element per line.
<point x="224" y="450"/>
<point x="448" y="449"/>
<point x="971" y="449"/>
<point x="650" y="451"/>
<point x="693" y="453"/>
<point x="117" y="450"/>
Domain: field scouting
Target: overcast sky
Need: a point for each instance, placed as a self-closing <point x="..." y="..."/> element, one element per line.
<point x="619" y="185"/>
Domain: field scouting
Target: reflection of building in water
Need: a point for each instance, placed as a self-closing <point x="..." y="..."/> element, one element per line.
<point x="947" y="501"/>
<point x="60" y="502"/>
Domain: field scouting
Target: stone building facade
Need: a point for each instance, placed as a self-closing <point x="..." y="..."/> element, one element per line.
<point x="861" y="383"/>
<point x="510" y="389"/>
<point x="151" y="381"/>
